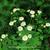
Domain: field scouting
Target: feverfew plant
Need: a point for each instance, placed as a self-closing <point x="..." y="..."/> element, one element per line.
<point x="26" y="29"/>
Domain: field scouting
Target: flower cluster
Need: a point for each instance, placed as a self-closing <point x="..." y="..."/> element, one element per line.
<point x="26" y="37"/>
<point x="3" y="36"/>
<point x="23" y="24"/>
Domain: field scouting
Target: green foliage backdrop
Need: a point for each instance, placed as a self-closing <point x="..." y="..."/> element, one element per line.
<point x="40" y="33"/>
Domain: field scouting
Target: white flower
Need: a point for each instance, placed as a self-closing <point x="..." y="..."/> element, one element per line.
<point x="25" y="38"/>
<point x="32" y="16"/>
<point x="29" y="27"/>
<point x="3" y="36"/>
<point x="29" y="35"/>
<point x="32" y="12"/>
<point x="47" y="24"/>
<point x="23" y="23"/>
<point x="39" y="12"/>
<point x="28" y="10"/>
<point x="20" y="28"/>
<point x="21" y="18"/>
<point x="0" y="39"/>
<point x="11" y="23"/>
<point x="15" y="9"/>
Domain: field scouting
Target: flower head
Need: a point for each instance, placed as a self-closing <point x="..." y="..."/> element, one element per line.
<point x="32" y="12"/>
<point x="21" y="18"/>
<point x="3" y="36"/>
<point x="39" y="12"/>
<point x="47" y="24"/>
<point x="11" y="23"/>
<point x="29" y="27"/>
<point x="25" y="38"/>
<point x="20" y="28"/>
<point x="23" y="23"/>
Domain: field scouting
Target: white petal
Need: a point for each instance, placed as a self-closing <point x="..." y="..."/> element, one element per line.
<point x="3" y="36"/>
<point x="32" y="12"/>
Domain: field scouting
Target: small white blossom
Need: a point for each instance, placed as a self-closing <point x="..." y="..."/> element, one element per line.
<point x="29" y="35"/>
<point x="3" y="36"/>
<point x="32" y="12"/>
<point x="28" y="10"/>
<point x="39" y="11"/>
<point x="25" y="38"/>
<point x="29" y="27"/>
<point x="15" y="9"/>
<point x="23" y="23"/>
<point x="20" y="28"/>
<point x="32" y="16"/>
<point x="0" y="39"/>
<point x="11" y="23"/>
<point x="21" y="18"/>
<point x="47" y="24"/>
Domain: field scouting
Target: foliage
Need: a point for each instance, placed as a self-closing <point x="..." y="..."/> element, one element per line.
<point x="40" y="32"/>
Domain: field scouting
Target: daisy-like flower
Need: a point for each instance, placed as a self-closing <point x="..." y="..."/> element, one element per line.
<point x="32" y="16"/>
<point x="15" y="9"/>
<point x="20" y="28"/>
<point x="11" y="23"/>
<point x="29" y="27"/>
<point x="3" y="36"/>
<point x="25" y="38"/>
<point x="39" y="11"/>
<point x="21" y="18"/>
<point x="29" y="35"/>
<point x="23" y="23"/>
<point x="47" y="24"/>
<point x="32" y="12"/>
<point x="28" y="10"/>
